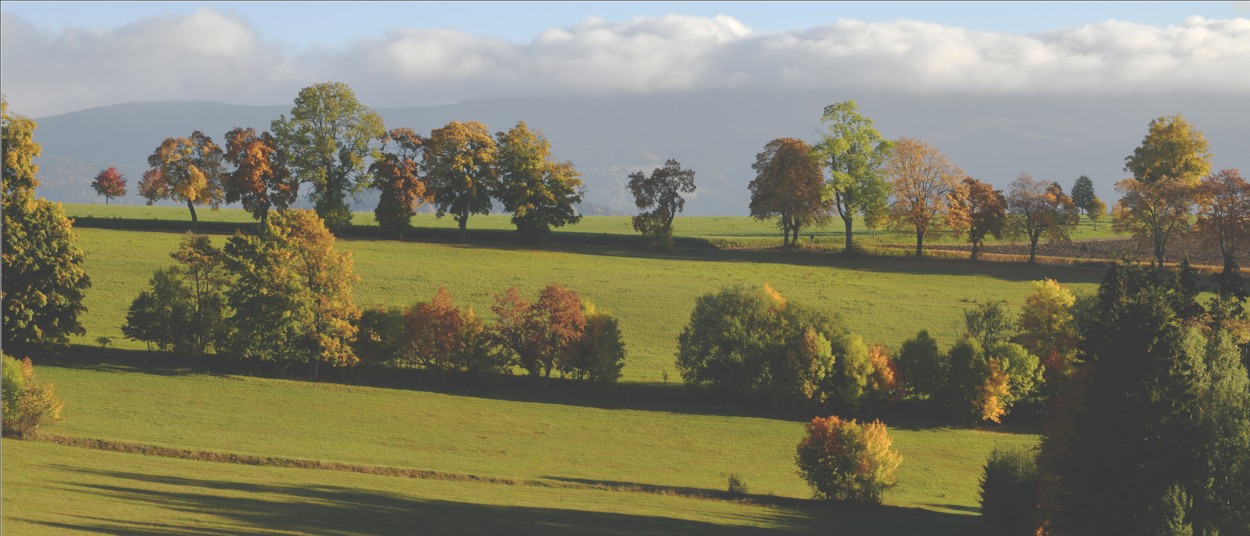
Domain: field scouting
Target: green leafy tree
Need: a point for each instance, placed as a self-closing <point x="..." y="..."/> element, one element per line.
<point x="1048" y="328"/>
<point x="788" y="185"/>
<point x="1131" y="429"/>
<point x="601" y="354"/>
<point x="185" y="308"/>
<point x="1221" y="490"/>
<point x="292" y="297"/>
<point x="327" y="140"/>
<point x="923" y="370"/>
<point x="659" y="198"/>
<point x="1009" y="485"/>
<point x="854" y="152"/>
<point x="398" y="178"/>
<point x="186" y="170"/>
<point x="1083" y="193"/>
<point x="989" y="323"/>
<point x="380" y="336"/>
<point x="43" y="281"/>
<point x="460" y="161"/>
<point x="539" y="192"/>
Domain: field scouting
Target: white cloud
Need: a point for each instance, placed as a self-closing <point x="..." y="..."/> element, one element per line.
<point x="213" y="56"/>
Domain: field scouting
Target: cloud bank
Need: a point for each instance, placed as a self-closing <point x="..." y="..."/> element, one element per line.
<point x="209" y="55"/>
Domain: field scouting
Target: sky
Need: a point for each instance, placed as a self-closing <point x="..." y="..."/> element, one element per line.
<point x="57" y="57"/>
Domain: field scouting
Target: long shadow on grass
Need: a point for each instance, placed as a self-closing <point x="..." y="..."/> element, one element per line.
<point x="252" y="508"/>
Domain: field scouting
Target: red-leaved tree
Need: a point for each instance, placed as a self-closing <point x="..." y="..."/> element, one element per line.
<point x="109" y="183"/>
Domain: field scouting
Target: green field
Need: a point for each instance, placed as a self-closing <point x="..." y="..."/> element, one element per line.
<point x="885" y="299"/>
<point x="673" y="450"/>
<point x="651" y="460"/>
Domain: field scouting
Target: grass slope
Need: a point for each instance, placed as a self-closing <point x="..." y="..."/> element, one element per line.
<point x="885" y="299"/>
<point x="561" y="438"/>
<point x="66" y="490"/>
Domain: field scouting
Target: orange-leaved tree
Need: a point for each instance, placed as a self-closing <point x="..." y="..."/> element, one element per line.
<point x="434" y="335"/>
<point x="541" y="335"/>
<point x="460" y="165"/>
<point x="397" y="176"/>
<point x="922" y="183"/>
<point x="846" y="461"/>
<point x="187" y="170"/>
<point x="980" y="210"/>
<point x="1037" y="208"/>
<point x="261" y="179"/>
<point x="109" y="183"/>
<point x="1224" y="214"/>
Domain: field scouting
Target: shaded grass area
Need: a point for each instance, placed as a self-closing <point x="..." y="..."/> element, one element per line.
<point x="505" y="439"/>
<point x="886" y="300"/>
<point x="71" y="491"/>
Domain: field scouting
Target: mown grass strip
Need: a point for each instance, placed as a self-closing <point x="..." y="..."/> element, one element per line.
<point x="399" y="472"/>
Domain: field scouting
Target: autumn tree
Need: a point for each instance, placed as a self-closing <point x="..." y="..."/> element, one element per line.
<point x="540" y="335"/>
<point x="845" y="461"/>
<point x="1172" y="149"/>
<point x="854" y="152"/>
<point x="261" y="179"/>
<point x="1224" y="214"/>
<point x="27" y="402"/>
<point x="659" y="198"/>
<point x="1156" y="211"/>
<point x="540" y="192"/>
<point x="1096" y="210"/>
<point x="327" y="140"/>
<point x="1156" y="204"/>
<point x="186" y="170"/>
<point x="434" y="334"/>
<point x="1037" y="208"/>
<point x="788" y="185"/>
<point x="1047" y="328"/>
<point x="43" y="281"/>
<point x="397" y="177"/>
<point x="460" y="163"/>
<point x="109" y="183"/>
<point x="980" y="210"/>
<point x="292" y="296"/>
<point x="922" y="182"/>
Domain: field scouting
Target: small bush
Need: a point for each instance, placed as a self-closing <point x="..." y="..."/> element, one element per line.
<point x="601" y="355"/>
<point x="26" y="402"/>
<point x="1009" y="499"/>
<point x="848" y="462"/>
<point x="737" y="486"/>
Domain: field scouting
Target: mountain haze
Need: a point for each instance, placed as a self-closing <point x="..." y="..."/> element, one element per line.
<point x="716" y="133"/>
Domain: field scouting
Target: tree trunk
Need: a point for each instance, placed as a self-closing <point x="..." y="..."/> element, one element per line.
<point x="106" y="200"/>
<point x="264" y="216"/>
<point x="794" y="240"/>
<point x="316" y="368"/>
<point x="919" y="243"/>
<point x="464" y="225"/>
<point x="848" y="221"/>
<point x="785" y="235"/>
<point x="1159" y="254"/>
<point x="1033" y="251"/>
<point x="976" y="250"/>
<point x="194" y="220"/>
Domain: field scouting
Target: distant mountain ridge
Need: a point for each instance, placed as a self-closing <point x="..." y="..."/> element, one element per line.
<point x="716" y="133"/>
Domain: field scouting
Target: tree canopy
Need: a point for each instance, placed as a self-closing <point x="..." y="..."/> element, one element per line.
<point x="460" y="164"/>
<point x="854" y="152"/>
<point x="788" y="185"/>
<point x="540" y="192"/>
<point x="659" y="198"/>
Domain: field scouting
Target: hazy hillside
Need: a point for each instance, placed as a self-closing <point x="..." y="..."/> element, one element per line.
<point x="715" y="133"/>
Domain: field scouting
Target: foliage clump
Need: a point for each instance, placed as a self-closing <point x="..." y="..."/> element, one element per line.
<point x="27" y="401"/>
<point x="846" y="461"/>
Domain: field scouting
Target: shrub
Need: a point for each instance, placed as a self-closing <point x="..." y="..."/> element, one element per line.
<point x="27" y="403"/>
<point x="852" y="371"/>
<point x="380" y="335"/>
<point x="848" y="462"/>
<point x="737" y="486"/>
<point x="1009" y="498"/>
<point x="434" y="334"/>
<point x="922" y="368"/>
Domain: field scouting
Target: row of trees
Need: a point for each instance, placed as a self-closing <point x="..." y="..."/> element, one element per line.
<point x="338" y="147"/>
<point x="912" y="186"/>
<point x="283" y="295"/>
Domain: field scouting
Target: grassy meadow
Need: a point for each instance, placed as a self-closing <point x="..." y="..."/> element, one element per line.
<point x="632" y="464"/>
